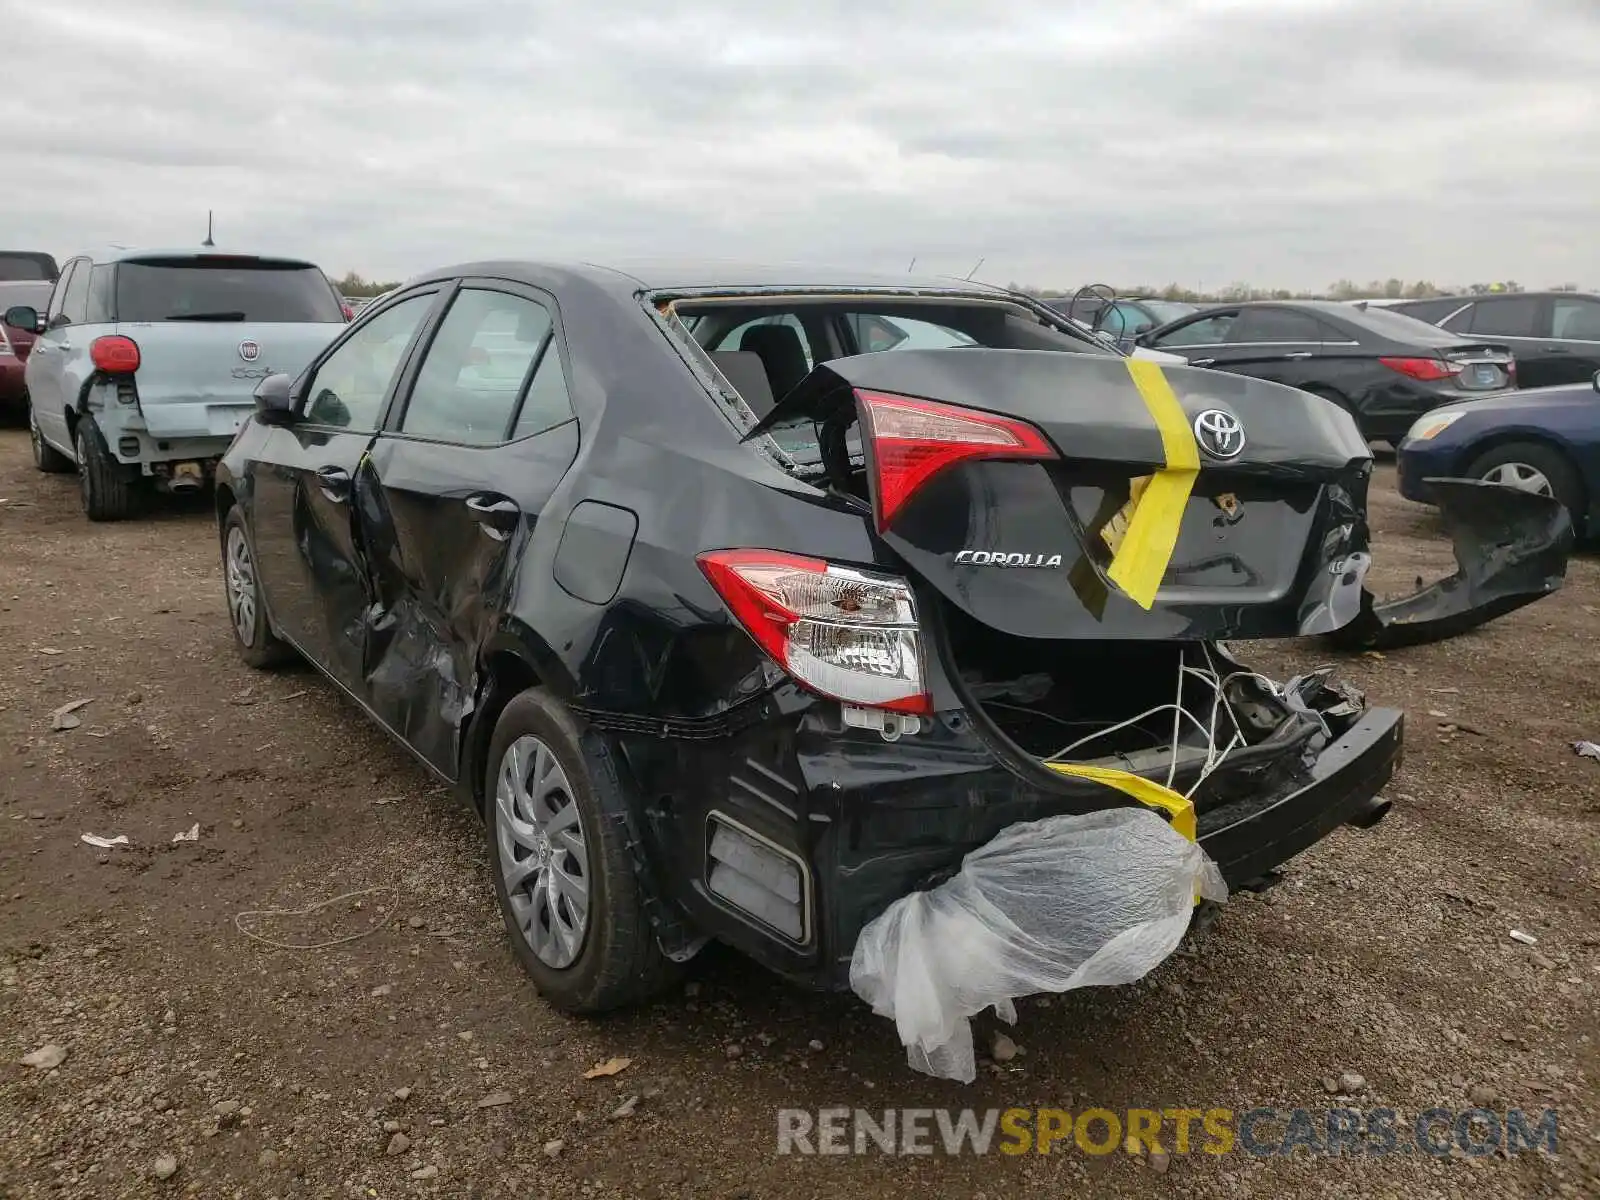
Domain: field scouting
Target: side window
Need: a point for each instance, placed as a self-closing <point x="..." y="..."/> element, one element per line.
<point x="1577" y="320"/>
<point x="58" y="295"/>
<point x="477" y="367"/>
<point x="873" y="334"/>
<point x="1275" y="325"/>
<point x="1514" y="316"/>
<point x="75" y="305"/>
<point x="1207" y="331"/>
<point x="1124" y="320"/>
<point x="100" y="294"/>
<point x="348" y="388"/>
<point x="547" y="403"/>
<point x="1459" y="321"/>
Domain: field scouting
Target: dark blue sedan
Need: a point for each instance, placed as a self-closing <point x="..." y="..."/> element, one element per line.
<point x="1544" y="440"/>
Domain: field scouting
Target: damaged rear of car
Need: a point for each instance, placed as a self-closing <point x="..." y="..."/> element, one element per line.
<point x="818" y="614"/>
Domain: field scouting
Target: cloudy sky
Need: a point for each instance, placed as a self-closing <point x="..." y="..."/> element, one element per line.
<point x="1281" y="142"/>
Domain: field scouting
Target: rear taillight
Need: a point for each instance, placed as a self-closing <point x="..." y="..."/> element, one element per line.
<point x="349" y="313"/>
<point x="114" y="354"/>
<point x="848" y="634"/>
<point x="1427" y="370"/>
<point x="913" y="440"/>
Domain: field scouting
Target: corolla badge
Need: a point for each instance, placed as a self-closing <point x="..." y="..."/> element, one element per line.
<point x="1219" y="433"/>
<point x="249" y="351"/>
<point x="999" y="558"/>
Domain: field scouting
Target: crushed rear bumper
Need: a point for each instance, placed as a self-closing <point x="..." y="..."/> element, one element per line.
<point x="849" y="823"/>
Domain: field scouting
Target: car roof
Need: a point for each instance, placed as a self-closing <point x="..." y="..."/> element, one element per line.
<point x="115" y="254"/>
<point x="630" y="276"/>
<point x="1470" y="297"/>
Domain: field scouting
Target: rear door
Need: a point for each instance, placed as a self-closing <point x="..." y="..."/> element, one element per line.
<point x="1522" y="323"/>
<point x="1272" y="343"/>
<point x="447" y="496"/>
<point x="54" y="371"/>
<point x="1575" y="322"/>
<point x="316" y="581"/>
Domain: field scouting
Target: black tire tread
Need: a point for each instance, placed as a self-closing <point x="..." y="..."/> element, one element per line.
<point x="46" y="457"/>
<point x="107" y="495"/>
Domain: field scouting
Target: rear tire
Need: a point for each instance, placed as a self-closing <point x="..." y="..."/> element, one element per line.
<point x="46" y="457"/>
<point x="1534" y="467"/>
<point x="107" y="494"/>
<point x="247" y="609"/>
<point x="557" y="843"/>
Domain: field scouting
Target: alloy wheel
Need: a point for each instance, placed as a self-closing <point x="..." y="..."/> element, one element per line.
<point x="241" y="573"/>
<point x="1520" y="476"/>
<point x="544" y="861"/>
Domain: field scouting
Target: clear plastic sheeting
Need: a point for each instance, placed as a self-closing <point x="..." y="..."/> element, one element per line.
<point x="1047" y="906"/>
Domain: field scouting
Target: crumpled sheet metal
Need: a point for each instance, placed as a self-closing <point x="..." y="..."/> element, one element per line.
<point x="1047" y="906"/>
<point x="1511" y="548"/>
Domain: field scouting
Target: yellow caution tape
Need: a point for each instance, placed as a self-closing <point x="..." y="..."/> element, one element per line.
<point x="1145" y="791"/>
<point x="1140" y="561"/>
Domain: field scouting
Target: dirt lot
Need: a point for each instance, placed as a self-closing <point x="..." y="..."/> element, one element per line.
<point x="275" y="1072"/>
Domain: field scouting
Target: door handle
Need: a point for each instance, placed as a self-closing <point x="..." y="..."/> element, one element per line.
<point x="1299" y="354"/>
<point x="1558" y="350"/>
<point x="497" y="515"/>
<point x="1201" y="362"/>
<point x="335" y="483"/>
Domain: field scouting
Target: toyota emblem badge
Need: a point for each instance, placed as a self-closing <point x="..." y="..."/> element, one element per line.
<point x="1219" y="433"/>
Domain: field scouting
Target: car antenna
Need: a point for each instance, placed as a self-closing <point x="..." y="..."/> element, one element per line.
<point x="975" y="267"/>
<point x="208" y="241"/>
<point x="913" y="265"/>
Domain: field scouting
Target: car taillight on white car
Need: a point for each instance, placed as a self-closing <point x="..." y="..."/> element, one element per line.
<point x="845" y="633"/>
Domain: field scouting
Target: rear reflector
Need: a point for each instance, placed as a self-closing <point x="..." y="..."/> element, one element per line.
<point x="847" y="634"/>
<point x="913" y="440"/>
<point x="756" y="877"/>
<point x="1427" y="370"/>
<point x="114" y="354"/>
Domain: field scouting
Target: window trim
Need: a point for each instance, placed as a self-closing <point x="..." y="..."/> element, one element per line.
<point x="308" y="377"/>
<point x="400" y="397"/>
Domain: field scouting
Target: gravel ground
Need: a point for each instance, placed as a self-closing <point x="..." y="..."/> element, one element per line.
<point x="417" y="1060"/>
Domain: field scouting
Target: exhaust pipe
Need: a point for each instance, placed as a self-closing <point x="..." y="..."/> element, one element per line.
<point x="1375" y="810"/>
<point x="186" y="477"/>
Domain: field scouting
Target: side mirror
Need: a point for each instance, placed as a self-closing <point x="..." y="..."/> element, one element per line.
<point x="274" y="397"/>
<point x="1596" y="381"/>
<point x="24" y="317"/>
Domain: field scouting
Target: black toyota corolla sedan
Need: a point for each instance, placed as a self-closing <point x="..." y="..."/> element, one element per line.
<point x="741" y="603"/>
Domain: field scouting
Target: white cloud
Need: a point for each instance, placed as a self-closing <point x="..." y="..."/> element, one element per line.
<point x="1192" y="140"/>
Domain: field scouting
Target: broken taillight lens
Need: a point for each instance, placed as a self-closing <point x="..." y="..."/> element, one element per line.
<point x="848" y="634"/>
<point x="912" y="440"/>
<point x="1427" y="370"/>
<point x="114" y="354"/>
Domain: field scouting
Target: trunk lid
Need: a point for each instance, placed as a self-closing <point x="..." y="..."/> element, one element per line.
<point x="1483" y="367"/>
<point x="1264" y="538"/>
<point x="200" y="377"/>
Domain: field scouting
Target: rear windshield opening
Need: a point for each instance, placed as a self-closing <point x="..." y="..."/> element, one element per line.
<point x="763" y="347"/>
<point x="224" y="289"/>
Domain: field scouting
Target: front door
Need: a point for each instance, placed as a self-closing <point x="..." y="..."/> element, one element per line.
<point x="312" y="569"/>
<point x="447" y="496"/>
<point x="46" y="372"/>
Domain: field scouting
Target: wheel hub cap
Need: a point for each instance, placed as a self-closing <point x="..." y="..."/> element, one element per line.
<point x="544" y="860"/>
<point x="1521" y="476"/>
<point x="241" y="577"/>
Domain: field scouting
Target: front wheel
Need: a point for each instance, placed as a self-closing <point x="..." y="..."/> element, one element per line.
<point x="562" y="868"/>
<point x="247" y="612"/>
<point x="46" y="457"/>
<point x="1533" y="467"/>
